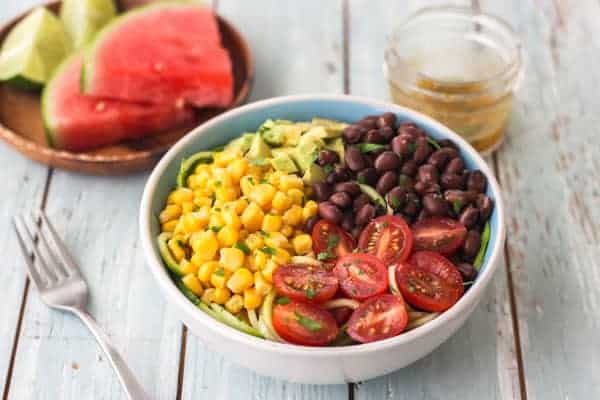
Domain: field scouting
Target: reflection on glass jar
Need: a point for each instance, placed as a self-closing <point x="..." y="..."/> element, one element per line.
<point x="458" y="66"/>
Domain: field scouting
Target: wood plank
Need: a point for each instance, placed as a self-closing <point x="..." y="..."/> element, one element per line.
<point x="23" y="187"/>
<point x="298" y="48"/>
<point x="549" y="168"/>
<point x="57" y="357"/>
<point x="479" y="361"/>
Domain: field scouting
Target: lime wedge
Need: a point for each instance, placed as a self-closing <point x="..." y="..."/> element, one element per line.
<point x="83" y="18"/>
<point x="33" y="49"/>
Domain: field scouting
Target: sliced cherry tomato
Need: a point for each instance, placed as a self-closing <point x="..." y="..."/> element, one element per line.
<point x="429" y="281"/>
<point x="378" y="318"/>
<point x="305" y="282"/>
<point x="443" y="235"/>
<point x="388" y="238"/>
<point x="330" y="241"/>
<point x="304" y="323"/>
<point x="361" y="275"/>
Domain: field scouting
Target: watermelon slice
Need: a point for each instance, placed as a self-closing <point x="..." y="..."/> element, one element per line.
<point x="76" y="122"/>
<point x="166" y="53"/>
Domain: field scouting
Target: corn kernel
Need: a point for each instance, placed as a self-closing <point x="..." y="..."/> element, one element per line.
<point x="206" y="270"/>
<point x="262" y="286"/>
<point x="262" y="194"/>
<point x="287" y="231"/>
<point x="247" y="184"/>
<point x="205" y="245"/>
<point x="302" y="244"/>
<point x="208" y="296"/>
<point x="275" y="177"/>
<point x="219" y="277"/>
<point x="309" y="210"/>
<point x="193" y="222"/>
<point x="231" y="219"/>
<point x="281" y="202"/>
<point x="254" y="241"/>
<point x="243" y="234"/>
<point x="260" y="259"/>
<point x="252" y="299"/>
<point x="202" y="168"/>
<point x="222" y="295"/>
<point x="176" y="248"/>
<point x="277" y="240"/>
<point x="186" y="267"/>
<point x="216" y="220"/>
<point x="293" y="216"/>
<point x="241" y="280"/>
<point x="281" y="256"/>
<point x="237" y="169"/>
<point x="268" y="270"/>
<point x="240" y="206"/>
<point x="191" y="282"/>
<point x="187" y="207"/>
<point x="171" y="212"/>
<point x="234" y="304"/>
<point x="202" y="201"/>
<point x="180" y="195"/>
<point x="297" y="196"/>
<point x="224" y="158"/>
<point x="271" y="223"/>
<point x="231" y="258"/>
<point x="287" y="182"/>
<point x="228" y="236"/>
<point x="226" y="193"/>
<point x="252" y="217"/>
<point x="169" y="226"/>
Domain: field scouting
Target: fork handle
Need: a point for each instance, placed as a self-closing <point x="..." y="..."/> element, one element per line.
<point x="130" y="384"/>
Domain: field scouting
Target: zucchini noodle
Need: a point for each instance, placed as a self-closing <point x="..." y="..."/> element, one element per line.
<point x="353" y="304"/>
<point x="415" y="323"/>
<point x="252" y="318"/>
<point x="306" y="260"/>
<point x="266" y="314"/>
<point x="392" y="280"/>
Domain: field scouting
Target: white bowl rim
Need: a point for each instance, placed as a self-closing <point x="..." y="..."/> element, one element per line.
<point x="166" y="284"/>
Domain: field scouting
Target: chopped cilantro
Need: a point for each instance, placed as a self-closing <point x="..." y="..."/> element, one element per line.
<point x="243" y="247"/>
<point x="217" y="209"/>
<point x="362" y="180"/>
<point x="332" y="241"/>
<point x="433" y="143"/>
<point x="251" y="179"/>
<point x="370" y="147"/>
<point x="310" y="293"/>
<point x="328" y="168"/>
<point x="218" y="183"/>
<point x="283" y="300"/>
<point x="264" y="180"/>
<point x="324" y="255"/>
<point x="220" y="272"/>
<point x="306" y="322"/>
<point x="457" y="206"/>
<point x="180" y="242"/>
<point x="269" y="250"/>
<point x="412" y="147"/>
<point x="395" y="202"/>
<point x="215" y="228"/>
<point x="265" y="234"/>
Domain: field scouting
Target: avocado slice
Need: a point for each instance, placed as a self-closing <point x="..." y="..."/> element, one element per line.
<point x="284" y="163"/>
<point x="166" y="255"/>
<point x="307" y="151"/>
<point x="336" y="145"/>
<point x="334" y="128"/>
<point x="313" y="174"/>
<point x="241" y="144"/>
<point x="188" y="165"/>
<point x="258" y="149"/>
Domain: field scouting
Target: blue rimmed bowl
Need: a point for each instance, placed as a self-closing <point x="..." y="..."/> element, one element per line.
<point x="300" y="363"/>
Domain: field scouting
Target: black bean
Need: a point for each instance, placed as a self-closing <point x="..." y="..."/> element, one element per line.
<point x="428" y="174"/>
<point x="330" y="212"/>
<point x="386" y="182"/>
<point x="402" y="145"/>
<point x="485" y="206"/>
<point x="422" y="215"/>
<point x="368" y="176"/>
<point x="469" y="217"/>
<point x="360" y="201"/>
<point x="408" y="128"/>
<point x="447" y="143"/>
<point x="373" y="136"/>
<point x="387" y="161"/>
<point x="322" y="191"/>
<point x="449" y="180"/>
<point x="352" y="134"/>
<point x="347" y="222"/>
<point x="343" y="173"/>
<point x="423" y="188"/>
<point x="369" y="122"/>
<point x="435" y="205"/>
<point x="422" y="150"/>
<point x="472" y="242"/>
<point x="439" y="158"/>
<point x="355" y="233"/>
<point x="341" y="199"/>
<point x="310" y="224"/>
<point x="455" y="166"/>
<point x="369" y="159"/>
<point x="467" y="271"/>
<point x="413" y="204"/>
<point x="476" y="181"/>
<point x="460" y="197"/>
<point x="396" y="197"/>
<point x="327" y="157"/>
<point x="387" y="133"/>
<point x="409" y="168"/>
<point x="332" y="178"/>
<point x="351" y="188"/>
<point x="387" y="119"/>
<point x="365" y="214"/>
<point x="354" y="159"/>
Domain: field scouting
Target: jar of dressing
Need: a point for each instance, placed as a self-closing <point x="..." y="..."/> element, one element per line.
<point x="460" y="67"/>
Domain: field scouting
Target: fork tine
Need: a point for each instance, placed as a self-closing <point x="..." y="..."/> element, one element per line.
<point x="44" y="269"/>
<point x="60" y="270"/>
<point x="33" y="273"/>
<point x="67" y="261"/>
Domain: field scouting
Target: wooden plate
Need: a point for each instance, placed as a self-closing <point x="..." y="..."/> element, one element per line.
<point x="21" y="122"/>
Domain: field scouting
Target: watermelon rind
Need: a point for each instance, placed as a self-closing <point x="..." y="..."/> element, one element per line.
<point x="89" y="56"/>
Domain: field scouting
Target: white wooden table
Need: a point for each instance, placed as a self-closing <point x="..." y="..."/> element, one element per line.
<point x="536" y="333"/>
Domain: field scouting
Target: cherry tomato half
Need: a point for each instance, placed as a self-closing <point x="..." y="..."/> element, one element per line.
<point x="378" y="318"/>
<point x="305" y="282"/>
<point x="330" y="241"/>
<point x="429" y="281"/>
<point x="388" y="238"/>
<point x="304" y="323"/>
<point x="361" y="275"/>
<point x="443" y="235"/>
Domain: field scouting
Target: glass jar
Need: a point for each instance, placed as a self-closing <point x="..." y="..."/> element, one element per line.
<point x="460" y="67"/>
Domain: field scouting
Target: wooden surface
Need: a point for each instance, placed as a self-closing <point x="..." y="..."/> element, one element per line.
<point x="535" y="335"/>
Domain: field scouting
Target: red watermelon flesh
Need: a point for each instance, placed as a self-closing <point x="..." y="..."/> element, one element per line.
<point x="164" y="54"/>
<point x="77" y="122"/>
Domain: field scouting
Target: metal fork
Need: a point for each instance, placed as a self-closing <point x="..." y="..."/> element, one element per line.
<point x="62" y="286"/>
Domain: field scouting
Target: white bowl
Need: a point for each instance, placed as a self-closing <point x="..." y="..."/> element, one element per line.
<point x="316" y="365"/>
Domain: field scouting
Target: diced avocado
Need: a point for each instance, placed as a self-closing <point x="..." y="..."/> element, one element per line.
<point x="241" y="144"/>
<point x="166" y="255"/>
<point x="271" y="133"/>
<point x="289" y="151"/>
<point x="334" y="128"/>
<point x="282" y="132"/>
<point x="292" y="133"/>
<point x="188" y="165"/>
<point x="258" y="149"/>
<point x="307" y="150"/>
<point x="284" y="163"/>
<point x="336" y="145"/>
<point x="313" y="174"/>
<point x="318" y="132"/>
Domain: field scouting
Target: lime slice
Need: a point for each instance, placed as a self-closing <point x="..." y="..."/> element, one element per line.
<point x="83" y="18"/>
<point x="33" y="49"/>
